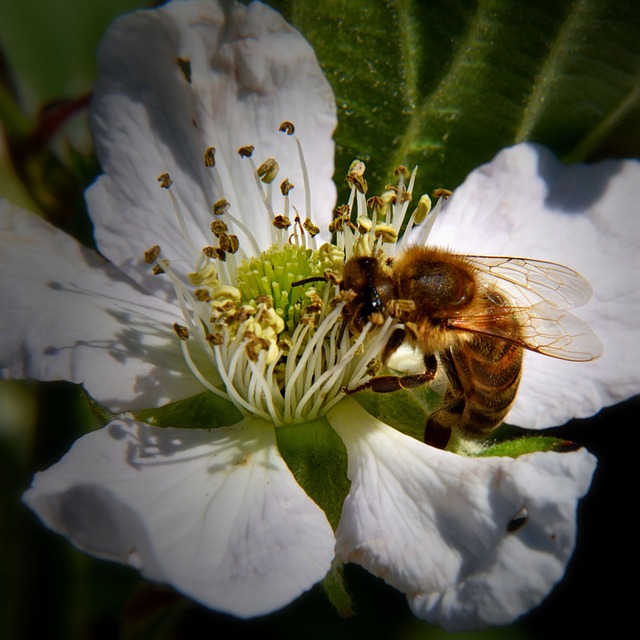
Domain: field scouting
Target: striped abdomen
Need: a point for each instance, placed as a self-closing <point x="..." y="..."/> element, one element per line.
<point x="483" y="374"/>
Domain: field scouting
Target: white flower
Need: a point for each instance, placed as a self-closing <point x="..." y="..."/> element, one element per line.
<point x="217" y="512"/>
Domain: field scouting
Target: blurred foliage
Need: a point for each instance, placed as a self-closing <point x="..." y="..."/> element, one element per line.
<point x="438" y="83"/>
<point x="446" y="85"/>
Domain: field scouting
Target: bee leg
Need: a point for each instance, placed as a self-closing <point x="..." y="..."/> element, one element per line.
<point x="388" y="384"/>
<point x="437" y="432"/>
<point x="438" y="429"/>
<point x="393" y="343"/>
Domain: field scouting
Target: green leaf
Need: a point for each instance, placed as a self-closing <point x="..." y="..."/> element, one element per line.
<point x="447" y="85"/>
<point x="51" y="46"/>
<point x="203" y="411"/>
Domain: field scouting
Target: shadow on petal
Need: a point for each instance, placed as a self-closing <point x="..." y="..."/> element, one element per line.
<point x="577" y="188"/>
<point x="100" y="524"/>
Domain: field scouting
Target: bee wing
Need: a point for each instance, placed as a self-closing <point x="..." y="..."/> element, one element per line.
<point x="531" y="281"/>
<point x="541" y="327"/>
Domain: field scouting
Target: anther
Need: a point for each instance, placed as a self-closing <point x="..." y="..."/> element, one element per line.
<point x="357" y="168"/>
<point x="266" y="300"/>
<point x="246" y="151"/>
<point x="386" y="233"/>
<point x="181" y="331"/>
<point x="285" y="187"/>
<point x="422" y="210"/>
<point x="402" y="171"/>
<point x="315" y="304"/>
<point x="357" y="181"/>
<point x="165" y="180"/>
<point x="376" y="203"/>
<point x="373" y="367"/>
<point x="202" y="295"/>
<point x="218" y="227"/>
<point x="281" y="222"/>
<point x="210" y="157"/>
<point x="364" y="224"/>
<point x="157" y="270"/>
<point x="341" y="217"/>
<point x="287" y="127"/>
<point x="216" y="339"/>
<point x="268" y="170"/>
<point x="151" y="255"/>
<point x="310" y="227"/>
<point x="337" y="225"/>
<point x="355" y="176"/>
<point x="215" y="253"/>
<point x="228" y="243"/>
<point x="220" y="207"/>
<point x="442" y="193"/>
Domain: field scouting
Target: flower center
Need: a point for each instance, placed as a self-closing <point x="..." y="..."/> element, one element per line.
<point x="267" y="331"/>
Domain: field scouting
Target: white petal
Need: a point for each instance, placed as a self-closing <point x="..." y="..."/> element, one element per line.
<point x="525" y="203"/>
<point x="69" y="315"/>
<point x="215" y="513"/>
<point x="250" y="71"/>
<point x="435" y="525"/>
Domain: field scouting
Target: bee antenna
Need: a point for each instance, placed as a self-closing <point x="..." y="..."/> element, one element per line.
<point x="297" y="283"/>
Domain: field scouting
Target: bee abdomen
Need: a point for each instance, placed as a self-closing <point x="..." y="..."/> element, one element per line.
<point x="489" y="373"/>
<point x="484" y="375"/>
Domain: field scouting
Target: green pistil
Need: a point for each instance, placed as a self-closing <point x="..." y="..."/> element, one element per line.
<point x="272" y="274"/>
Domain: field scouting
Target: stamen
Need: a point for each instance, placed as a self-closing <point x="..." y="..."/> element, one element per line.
<point x="196" y="372"/>
<point x="418" y="216"/>
<point x="289" y="129"/>
<point x="210" y="157"/>
<point x="425" y="229"/>
<point x="244" y="153"/>
<point x="267" y="392"/>
<point x="268" y="170"/>
<point x="210" y="162"/>
<point x="227" y="370"/>
<point x="282" y="350"/>
<point x="166" y="183"/>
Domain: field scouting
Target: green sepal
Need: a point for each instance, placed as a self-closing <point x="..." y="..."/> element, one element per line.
<point x="527" y="444"/>
<point x="203" y="411"/>
<point x="318" y="459"/>
<point x="336" y="590"/>
<point x="406" y="411"/>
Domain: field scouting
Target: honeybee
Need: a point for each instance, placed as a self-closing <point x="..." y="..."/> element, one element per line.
<point x="474" y="316"/>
